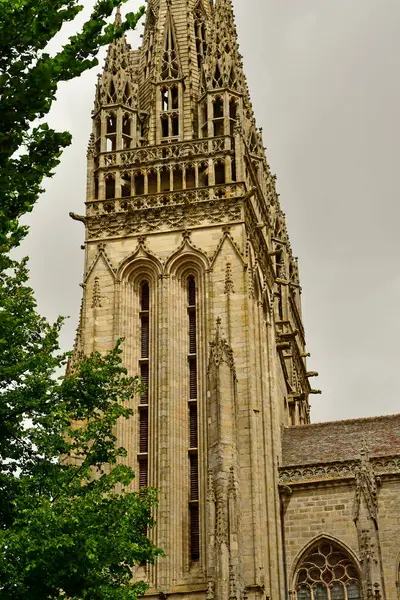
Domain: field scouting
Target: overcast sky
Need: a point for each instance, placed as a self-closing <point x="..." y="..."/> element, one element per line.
<point x="324" y="80"/>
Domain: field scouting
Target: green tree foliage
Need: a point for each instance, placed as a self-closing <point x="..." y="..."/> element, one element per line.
<point x="29" y="79"/>
<point x="70" y="526"/>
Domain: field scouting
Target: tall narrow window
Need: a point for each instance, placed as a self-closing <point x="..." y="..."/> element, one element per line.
<point x="170" y="111"/>
<point x="110" y="187"/>
<point x="170" y="65"/>
<point x="143" y="456"/>
<point x="232" y="115"/>
<point x="200" y="33"/>
<point x="218" y="116"/>
<point x="194" y="516"/>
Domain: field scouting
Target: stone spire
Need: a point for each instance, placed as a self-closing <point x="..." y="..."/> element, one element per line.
<point x="223" y="67"/>
<point x="117" y="85"/>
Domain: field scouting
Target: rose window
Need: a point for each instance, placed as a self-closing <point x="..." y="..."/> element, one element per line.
<point x="327" y="573"/>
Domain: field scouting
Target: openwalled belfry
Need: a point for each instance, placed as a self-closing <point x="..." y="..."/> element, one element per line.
<point x="187" y="257"/>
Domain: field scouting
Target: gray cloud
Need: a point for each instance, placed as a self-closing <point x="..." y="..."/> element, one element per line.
<point x="323" y="76"/>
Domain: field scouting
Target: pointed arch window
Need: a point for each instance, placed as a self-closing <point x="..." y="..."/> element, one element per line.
<point x="200" y="33"/>
<point x="144" y="368"/>
<point x="327" y="572"/>
<point x="218" y="81"/>
<point x="232" y="83"/>
<point x="170" y="64"/>
<point x="194" y="516"/>
<point x="112" y="94"/>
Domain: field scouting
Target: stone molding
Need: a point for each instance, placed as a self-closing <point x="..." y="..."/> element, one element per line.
<point x="170" y="210"/>
<point x="344" y="470"/>
<point x="144" y="156"/>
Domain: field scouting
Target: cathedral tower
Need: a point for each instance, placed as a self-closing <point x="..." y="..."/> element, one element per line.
<point x="187" y="258"/>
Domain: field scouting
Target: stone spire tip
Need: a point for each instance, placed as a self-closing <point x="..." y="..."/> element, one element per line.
<point x="118" y="16"/>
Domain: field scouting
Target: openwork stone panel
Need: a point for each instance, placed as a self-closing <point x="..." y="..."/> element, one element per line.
<point x="164" y="199"/>
<point x="327" y="573"/>
<point x="164" y="218"/>
<point x="150" y="154"/>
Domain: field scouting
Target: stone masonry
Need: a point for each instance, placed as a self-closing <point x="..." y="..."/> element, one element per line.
<point x="187" y="257"/>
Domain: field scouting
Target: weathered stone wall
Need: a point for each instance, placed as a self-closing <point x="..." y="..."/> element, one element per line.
<point x="353" y="500"/>
<point x="311" y="511"/>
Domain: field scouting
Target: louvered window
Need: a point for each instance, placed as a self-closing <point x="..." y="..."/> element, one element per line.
<point x="145" y="296"/>
<point x="193" y="378"/>
<point x="194" y="532"/>
<point x="144" y="368"/>
<point x="191" y="292"/>
<point x="194" y="520"/>
<point x="194" y="477"/>
<point x="193" y="425"/>
<point x="143" y="431"/>
<point x="144" y="374"/>
<point x="145" y="336"/>
<point x="143" y="472"/>
<point x="192" y="331"/>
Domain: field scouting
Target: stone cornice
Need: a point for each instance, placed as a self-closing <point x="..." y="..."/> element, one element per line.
<point x="165" y="211"/>
<point x="334" y="471"/>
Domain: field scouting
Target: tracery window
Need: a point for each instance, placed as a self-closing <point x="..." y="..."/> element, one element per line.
<point x="170" y="65"/>
<point x="327" y="573"/>
<point x="200" y="33"/>
<point x="127" y="96"/>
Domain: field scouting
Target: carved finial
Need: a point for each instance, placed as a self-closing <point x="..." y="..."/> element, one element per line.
<point x="96" y="300"/>
<point x="117" y="84"/>
<point x="228" y="279"/>
<point x="220" y="351"/>
<point x="142" y="240"/>
<point x="91" y="146"/>
<point x="118" y="17"/>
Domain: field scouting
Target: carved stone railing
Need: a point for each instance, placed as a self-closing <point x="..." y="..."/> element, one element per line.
<point x="165" y="199"/>
<point x="180" y="150"/>
<point x="346" y="469"/>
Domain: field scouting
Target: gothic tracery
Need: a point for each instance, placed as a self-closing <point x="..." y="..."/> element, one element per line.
<point x="327" y="572"/>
